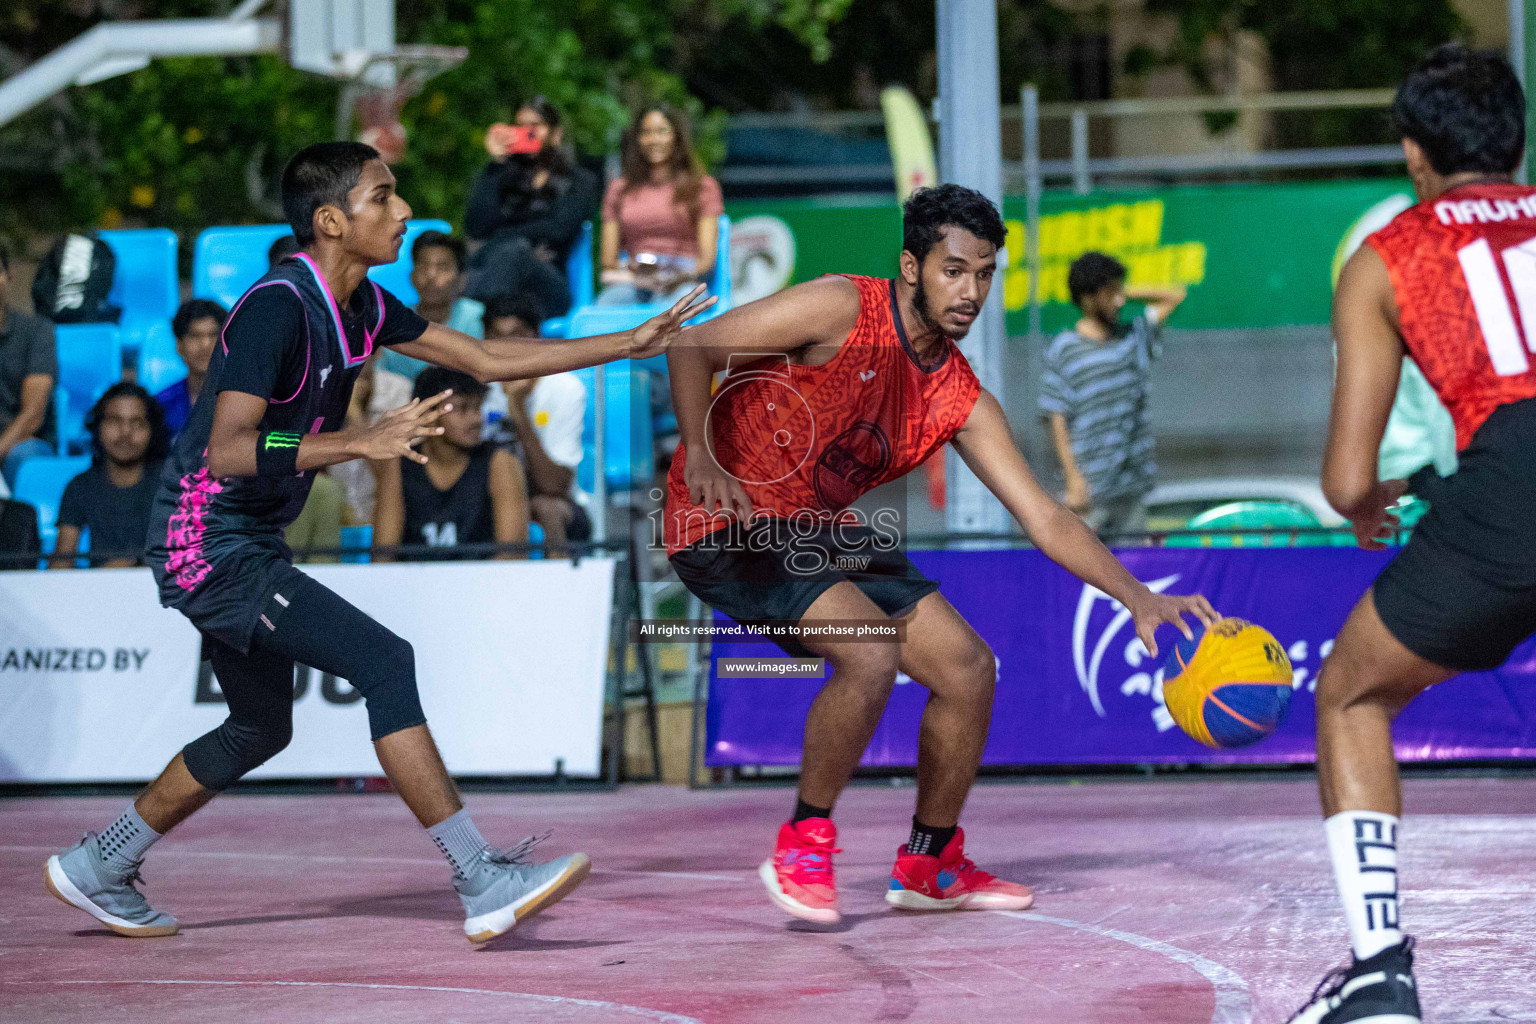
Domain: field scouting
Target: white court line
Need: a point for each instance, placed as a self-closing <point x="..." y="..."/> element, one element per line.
<point x="336" y="859"/>
<point x="1234" y="1004"/>
<point x="596" y="1004"/>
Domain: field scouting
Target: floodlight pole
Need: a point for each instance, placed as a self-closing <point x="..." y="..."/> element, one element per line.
<point x="970" y="153"/>
<point x="118" y="47"/>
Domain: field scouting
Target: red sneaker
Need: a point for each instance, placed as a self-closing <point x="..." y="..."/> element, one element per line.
<point x="950" y="881"/>
<point x="799" y="874"/>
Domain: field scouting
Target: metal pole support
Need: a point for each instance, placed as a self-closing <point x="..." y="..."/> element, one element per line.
<point x="970" y="153"/>
<point x="1081" y="183"/>
<point x="1029" y="103"/>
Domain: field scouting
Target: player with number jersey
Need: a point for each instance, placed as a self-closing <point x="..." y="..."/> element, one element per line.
<point x="272" y="414"/>
<point x="835" y="387"/>
<point x="1451" y="282"/>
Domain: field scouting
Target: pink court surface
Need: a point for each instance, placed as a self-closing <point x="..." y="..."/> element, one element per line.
<point x="1158" y="901"/>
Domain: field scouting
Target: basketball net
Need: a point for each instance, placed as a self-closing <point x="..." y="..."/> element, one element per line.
<point x="378" y="93"/>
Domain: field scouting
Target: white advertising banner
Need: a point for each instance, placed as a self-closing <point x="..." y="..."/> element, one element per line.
<point x="99" y="683"/>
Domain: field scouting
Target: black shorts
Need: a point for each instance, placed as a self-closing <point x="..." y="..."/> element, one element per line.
<point x="776" y="569"/>
<point x="1462" y="593"/>
<point x="229" y="602"/>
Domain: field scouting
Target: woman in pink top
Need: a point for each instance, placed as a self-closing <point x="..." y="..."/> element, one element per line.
<point x="663" y="213"/>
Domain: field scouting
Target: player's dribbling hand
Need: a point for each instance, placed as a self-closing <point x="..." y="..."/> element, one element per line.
<point x="713" y="488"/>
<point x="652" y="337"/>
<point x="1153" y="610"/>
<point x="394" y="434"/>
<point x="1375" y="525"/>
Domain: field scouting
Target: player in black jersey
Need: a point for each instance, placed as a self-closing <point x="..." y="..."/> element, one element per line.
<point x="271" y="413"/>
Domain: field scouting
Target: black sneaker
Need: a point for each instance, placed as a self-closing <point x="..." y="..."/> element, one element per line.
<point x="1379" y="990"/>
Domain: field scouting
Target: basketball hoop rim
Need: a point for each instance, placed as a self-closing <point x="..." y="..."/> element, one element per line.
<point x="415" y="65"/>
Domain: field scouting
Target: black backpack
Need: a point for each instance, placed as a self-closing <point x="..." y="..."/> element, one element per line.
<point x="73" y="280"/>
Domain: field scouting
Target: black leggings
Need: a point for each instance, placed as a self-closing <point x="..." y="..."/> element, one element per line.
<point x="318" y="628"/>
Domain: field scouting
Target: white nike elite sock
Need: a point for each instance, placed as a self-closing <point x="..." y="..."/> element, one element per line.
<point x="1363" y="847"/>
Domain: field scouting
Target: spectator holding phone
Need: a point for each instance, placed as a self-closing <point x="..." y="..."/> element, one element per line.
<point x="663" y="212"/>
<point x="527" y="207"/>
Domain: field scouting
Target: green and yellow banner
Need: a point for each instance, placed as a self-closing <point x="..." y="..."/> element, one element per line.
<point x="1252" y="255"/>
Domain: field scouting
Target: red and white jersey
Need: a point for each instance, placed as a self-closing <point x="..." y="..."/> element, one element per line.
<point x="1463" y="272"/>
<point x="812" y="439"/>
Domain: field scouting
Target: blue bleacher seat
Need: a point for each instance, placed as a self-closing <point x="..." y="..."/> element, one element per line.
<point x="145" y="285"/>
<point x="159" y="364"/>
<point x="582" y="278"/>
<point x="356" y="541"/>
<point x="227" y="261"/>
<point x="535" y="540"/>
<point x="396" y="276"/>
<point x="90" y="361"/>
<point x="41" y="482"/>
<point x="629" y="458"/>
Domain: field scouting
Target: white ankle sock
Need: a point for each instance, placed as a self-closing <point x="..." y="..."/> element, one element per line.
<point x="1363" y="847"/>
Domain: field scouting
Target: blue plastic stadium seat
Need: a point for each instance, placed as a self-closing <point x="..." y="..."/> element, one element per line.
<point x="90" y="361"/>
<point x="159" y="364"/>
<point x="396" y="277"/>
<point x="40" y="483"/>
<point x="145" y="285"/>
<point x="535" y="540"/>
<point x="629" y="459"/>
<point x="583" y="281"/>
<point x="356" y="541"/>
<point x="227" y="261"/>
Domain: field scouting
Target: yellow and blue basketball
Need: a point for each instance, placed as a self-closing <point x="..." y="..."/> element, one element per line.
<point x="1230" y="686"/>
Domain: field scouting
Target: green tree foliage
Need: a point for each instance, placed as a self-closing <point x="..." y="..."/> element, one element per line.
<point x="191" y="142"/>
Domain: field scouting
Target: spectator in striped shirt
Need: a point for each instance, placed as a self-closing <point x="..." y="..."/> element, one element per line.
<point x="1094" y="394"/>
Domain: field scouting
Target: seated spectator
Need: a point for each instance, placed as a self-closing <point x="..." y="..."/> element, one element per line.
<point x="437" y="274"/>
<point x="129" y="441"/>
<point x="528" y="208"/>
<point x="19" y="542"/>
<point x="282" y="249"/>
<point x="468" y="491"/>
<point x="197" y="325"/>
<point x="544" y="417"/>
<point x="318" y="527"/>
<point x="28" y="368"/>
<point x="663" y="212"/>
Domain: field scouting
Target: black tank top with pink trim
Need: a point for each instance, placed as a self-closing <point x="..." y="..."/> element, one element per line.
<point x="291" y="343"/>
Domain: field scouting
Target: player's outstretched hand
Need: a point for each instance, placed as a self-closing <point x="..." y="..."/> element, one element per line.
<point x="1154" y="610"/>
<point x="1375" y="526"/>
<point x="652" y="337"/>
<point x="713" y="488"/>
<point x="395" y="433"/>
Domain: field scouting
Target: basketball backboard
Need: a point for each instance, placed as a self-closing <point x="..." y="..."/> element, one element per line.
<point x="338" y="38"/>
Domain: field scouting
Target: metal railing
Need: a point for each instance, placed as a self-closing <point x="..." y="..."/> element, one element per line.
<point x="1080" y="167"/>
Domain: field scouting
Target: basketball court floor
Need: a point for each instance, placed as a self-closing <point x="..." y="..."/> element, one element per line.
<point x="1158" y="901"/>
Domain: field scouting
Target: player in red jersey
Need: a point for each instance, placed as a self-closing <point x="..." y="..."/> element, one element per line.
<point x="1451" y="281"/>
<point x="835" y="387"/>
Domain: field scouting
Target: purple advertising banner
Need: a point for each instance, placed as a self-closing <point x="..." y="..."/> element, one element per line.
<point x="1075" y="686"/>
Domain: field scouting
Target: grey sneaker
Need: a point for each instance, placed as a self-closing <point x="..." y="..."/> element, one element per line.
<point x="80" y="877"/>
<point x="505" y="887"/>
